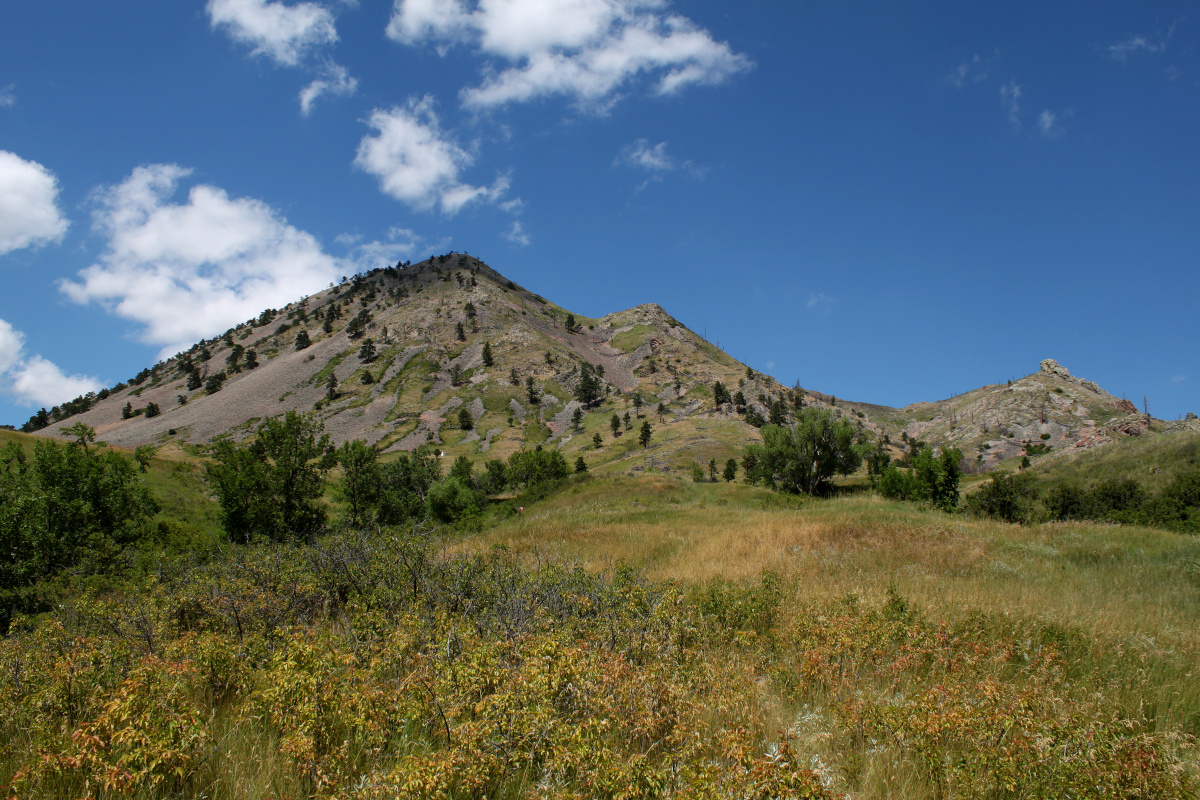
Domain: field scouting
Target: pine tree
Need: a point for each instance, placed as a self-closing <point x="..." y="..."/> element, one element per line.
<point x="465" y="420"/>
<point x="193" y="380"/>
<point x="730" y="470"/>
<point x="302" y="340"/>
<point x="487" y="354"/>
<point x="127" y="411"/>
<point x="597" y="442"/>
<point x="513" y="377"/>
<point x="615" y="424"/>
<point x="580" y="466"/>
<point x="588" y="391"/>
<point x="712" y="470"/>
<point x="331" y="386"/>
<point x="644" y="435"/>
<point x="366" y="353"/>
<point x="577" y="418"/>
<point x="459" y="333"/>
<point x="251" y="359"/>
<point x="628" y="422"/>
<point x="327" y="326"/>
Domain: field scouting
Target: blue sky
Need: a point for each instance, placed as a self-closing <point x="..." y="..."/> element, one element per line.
<point x="888" y="202"/>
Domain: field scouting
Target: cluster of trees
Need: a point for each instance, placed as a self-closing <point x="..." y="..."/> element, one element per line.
<point x="1017" y="498"/>
<point x="802" y="458"/>
<point x="272" y="489"/>
<point x="66" y="508"/>
<point x="930" y="478"/>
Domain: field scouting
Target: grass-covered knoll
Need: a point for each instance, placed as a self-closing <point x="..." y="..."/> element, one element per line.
<point x="1152" y="461"/>
<point x="629" y="637"/>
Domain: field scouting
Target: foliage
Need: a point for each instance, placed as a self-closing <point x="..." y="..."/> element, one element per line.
<point x="453" y="499"/>
<point x="932" y="479"/>
<point x="589" y="391"/>
<point x="645" y="433"/>
<point x="528" y="468"/>
<point x="66" y="508"/>
<point x="303" y="340"/>
<point x="1008" y="497"/>
<point x="271" y="488"/>
<point x="801" y="458"/>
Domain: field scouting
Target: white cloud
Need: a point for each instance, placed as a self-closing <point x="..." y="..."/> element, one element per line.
<point x="1010" y="99"/>
<point x="188" y="270"/>
<point x="973" y="71"/>
<point x="417" y="163"/>
<point x="283" y="33"/>
<point x="334" y="80"/>
<point x="399" y="243"/>
<point x="1121" y="51"/>
<point x="1050" y="125"/>
<point x="36" y="381"/>
<point x="29" y="212"/>
<point x="585" y="49"/>
<point x="818" y="300"/>
<point x="517" y="235"/>
<point x="287" y="35"/>
<point x="8" y="97"/>
<point x="1178" y="378"/>
<point x="12" y="342"/>
<point x="641" y="154"/>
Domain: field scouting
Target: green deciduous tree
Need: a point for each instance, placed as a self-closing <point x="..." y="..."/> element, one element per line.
<point x="271" y="489"/>
<point x="68" y="507"/>
<point x="802" y="457"/>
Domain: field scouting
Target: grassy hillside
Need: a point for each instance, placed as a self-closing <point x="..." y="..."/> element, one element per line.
<point x="1152" y="461"/>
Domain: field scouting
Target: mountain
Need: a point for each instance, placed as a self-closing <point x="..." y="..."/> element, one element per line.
<point x="429" y="324"/>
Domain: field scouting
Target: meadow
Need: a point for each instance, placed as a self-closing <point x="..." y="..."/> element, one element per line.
<point x="626" y="636"/>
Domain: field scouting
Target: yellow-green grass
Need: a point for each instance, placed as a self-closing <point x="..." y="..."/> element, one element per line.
<point x="1131" y="590"/>
<point x="1152" y="461"/>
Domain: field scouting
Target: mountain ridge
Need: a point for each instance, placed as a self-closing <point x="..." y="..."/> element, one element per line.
<point x="428" y="325"/>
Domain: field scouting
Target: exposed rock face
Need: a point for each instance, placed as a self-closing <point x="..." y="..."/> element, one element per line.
<point x="1190" y="416"/>
<point x="1052" y="367"/>
<point x="1126" y="407"/>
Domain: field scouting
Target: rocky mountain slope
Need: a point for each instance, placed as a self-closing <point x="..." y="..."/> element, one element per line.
<point x="400" y="357"/>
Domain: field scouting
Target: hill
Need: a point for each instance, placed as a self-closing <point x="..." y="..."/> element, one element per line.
<point x="405" y="349"/>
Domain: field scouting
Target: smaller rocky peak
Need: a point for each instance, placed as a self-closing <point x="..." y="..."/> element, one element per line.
<point x="1052" y="367"/>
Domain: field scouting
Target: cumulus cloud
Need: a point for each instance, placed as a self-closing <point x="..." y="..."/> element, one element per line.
<point x="8" y="97"/>
<point x="417" y="163"/>
<point x="1010" y="99"/>
<point x="34" y="380"/>
<point x="334" y="80"/>
<point x="283" y="33"/>
<point x="818" y="300"/>
<point x="187" y="270"/>
<point x="29" y="212"/>
<point x="517" y="235"/>
<point x="287" y="35"/>
<point x="588" y="50"/>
